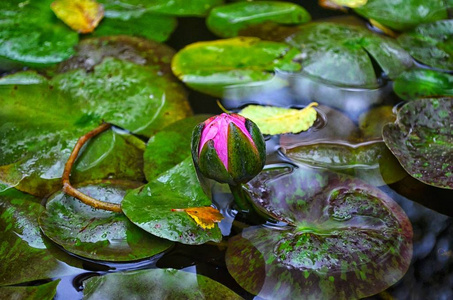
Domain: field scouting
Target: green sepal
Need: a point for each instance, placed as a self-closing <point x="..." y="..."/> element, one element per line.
<point x="212" y="167"/>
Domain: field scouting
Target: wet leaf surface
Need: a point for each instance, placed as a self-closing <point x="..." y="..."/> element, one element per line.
<point x="423" y="83"/>
<point x="31" y="35"/>
<point x="41" y="292"/>
<point x="346" y="240"/>
<point x="155" y="283"/>
<point x="422" y="140"/>
<point x="344" y="54"/>
<point x="98" y="234"/>
<point x="173" y="8"/>
<point x="371" y="162"/>
<point x="228" y="20"/>
<point x="150" y="207"/>
<point x="24" y="253"/>
<point x="81" y="15"/>
<point x="431" y="44"/>
<point x="212" y="66"/>
<point x="170" y="146"/>
<point x="279" y="120"/>
<point x="402" y="15"/>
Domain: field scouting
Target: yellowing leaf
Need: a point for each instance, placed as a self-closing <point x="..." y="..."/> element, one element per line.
<point x="81" y="15"/>
<point x="384" y="29"/>
<point x="278" y="120"/>
<point x="205" y="217"/>
<point x="339" y="4"/>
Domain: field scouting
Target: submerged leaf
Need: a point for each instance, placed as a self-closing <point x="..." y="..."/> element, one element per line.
<point x="346" y="239"/>
<point x="422" y="140"/>
<point x="98" y="234"/>
<point x="278" y="120"/>
<point x="205" y="217"/>
<point x="81" y="15"/>
<point x="155" y="284"/>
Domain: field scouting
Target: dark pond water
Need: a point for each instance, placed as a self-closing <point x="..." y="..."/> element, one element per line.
<point x="430" y="210"/>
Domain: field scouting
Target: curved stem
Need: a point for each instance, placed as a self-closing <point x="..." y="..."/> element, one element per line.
<point x="240" y="199"/>
<point x="70" y="190"/>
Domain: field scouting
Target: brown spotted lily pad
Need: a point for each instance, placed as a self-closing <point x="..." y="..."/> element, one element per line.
<point x="345" y="238"/>
<point x="422" y="140"/>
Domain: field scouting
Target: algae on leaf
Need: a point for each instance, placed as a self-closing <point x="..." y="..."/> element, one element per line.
<point x="422" y="140"/>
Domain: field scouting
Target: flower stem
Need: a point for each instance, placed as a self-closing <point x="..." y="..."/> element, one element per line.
<point x="70" y="190"/>
<point x="240" y="199"/>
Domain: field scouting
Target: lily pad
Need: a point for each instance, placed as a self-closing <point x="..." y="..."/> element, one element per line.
<point x="23" y="252"/>
<point x="174" y="8"/>
<point x="372" y="162"/>
<point x="345" y="54"/>
<point x="45" y="291"/>
<point x="98" y="234"/>
<point x="170" y="146"/>
<point x="31" y="35"/>
<point x="423" y="83"/>
<point x="422" y="140"/>
<point x="150" y="207"/>
<point x="345" y="239"/>
<point x="431" y="44"/>
<point x="212" y="66"/>
<point x="403" y="15"/>
<point x="155" y="283"/>
<point x="228" y="20"/>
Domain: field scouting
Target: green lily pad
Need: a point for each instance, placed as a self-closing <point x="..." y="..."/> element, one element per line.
<point x="155" y="283"/>
<point x="422" y="140"/>
<point x="150" y="207"/>
<point x="346" y="239"/>
<point x="151" y="26"/>
<point x="45" y="291"/>
<point x="227" y="20"/>
<point x="344" y="54"/>
<point x="423" y="83"/>
<point x="431" y="44"/>
<point x="23" y="252"/>
<point x="212" y="66"/>
<point x="31" y="35"/>
<point x="170" y="146"/>
<point x="174" y="8"/>
<point x="371" y="162"/>
<point x="403" y="15"/>
<point x="50" y="116"/>
<point x="98" y="234"/>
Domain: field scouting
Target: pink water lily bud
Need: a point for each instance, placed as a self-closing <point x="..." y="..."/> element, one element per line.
<point x="228" y="148"/>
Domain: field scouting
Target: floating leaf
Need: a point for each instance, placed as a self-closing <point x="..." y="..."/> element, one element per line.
<point x="98" y="234"/>
<point x="24" y="253"/>
<point x="423" y="83"/>
<point x="212" y="66"/>
<point x="173" y="8"/>
<point x="402" y="15"/>
<point x="278" y="120"/>
<point x="150" y="207"/>
<point x="81" y="15"/>
<point x="155" y="283"/>
<point x="346" y="239"/>
<point x="228" y="20"/>
<point x="371" y="162"/>
<point x="345" y="54"/>
<point x="431" y="44"/>
<point x="205" y="217"/>
<point x="31" y="35"/>
<point x="170" y="146"/>
<point x="45" y="291"/>
<point x="422" y="140"/>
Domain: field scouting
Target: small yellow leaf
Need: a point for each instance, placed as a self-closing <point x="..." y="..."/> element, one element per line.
<point x="81" y="15"/>
<point x="205" y="217"/>
<point x="339" y="4"/>
<point x="279" y="120"/>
